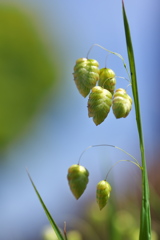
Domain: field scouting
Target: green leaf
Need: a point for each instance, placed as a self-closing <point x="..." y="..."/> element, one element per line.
<point x="52" y="222"/>
<point x="145" y="222"/>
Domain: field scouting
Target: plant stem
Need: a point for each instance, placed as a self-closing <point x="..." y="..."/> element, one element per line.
<point x="145" y="222"/>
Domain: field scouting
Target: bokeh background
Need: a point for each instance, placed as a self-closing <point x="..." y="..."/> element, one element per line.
<point x="44" y="125"/>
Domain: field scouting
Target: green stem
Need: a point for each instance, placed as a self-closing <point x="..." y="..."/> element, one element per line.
<point x="145" y="222"/>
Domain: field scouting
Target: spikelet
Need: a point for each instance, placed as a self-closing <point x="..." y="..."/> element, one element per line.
<point x="121" y="104"/>
<point x="99" y="103"/>
<point x="77" y="179"/>
<point x="86" y="75"/>
<point x="103" y="193"/>
<point x="107" y="79"/>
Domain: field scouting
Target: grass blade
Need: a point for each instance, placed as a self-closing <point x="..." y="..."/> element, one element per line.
<point x="52" y="222"/>
<point x="145" y="222"/>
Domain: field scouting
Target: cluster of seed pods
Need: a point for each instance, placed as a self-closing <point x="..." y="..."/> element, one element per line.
<point x="100" y="85"/>
<point x="78" y="177"/>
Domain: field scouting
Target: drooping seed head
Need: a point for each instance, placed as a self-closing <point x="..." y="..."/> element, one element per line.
<point x="107" y="79"/>
<point x="77" y="178"/>
<point x="86" y="75"/>
<point x="99" y="103"/>
<point x="121" y="104"/>
<point x="103" y="193"/>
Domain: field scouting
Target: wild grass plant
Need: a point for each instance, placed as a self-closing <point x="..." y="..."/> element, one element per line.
<point x="99" y="103"/>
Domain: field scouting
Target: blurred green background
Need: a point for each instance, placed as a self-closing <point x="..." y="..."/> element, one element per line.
<point x="44" y="124"/>
<point x="27" y="72"/>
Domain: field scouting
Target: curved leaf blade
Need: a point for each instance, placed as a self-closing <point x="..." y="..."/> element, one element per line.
<point x="52" y="222"/>
<point x="145" y="222"/>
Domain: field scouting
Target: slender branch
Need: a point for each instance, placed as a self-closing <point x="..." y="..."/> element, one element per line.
<point x="122" y="161"/>
<point x="107" y="145"/>
<point x="117" y="54"/>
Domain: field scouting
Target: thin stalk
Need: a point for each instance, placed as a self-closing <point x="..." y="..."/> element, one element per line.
<point x="107" y="145"/>
<point x="145" y="220"/>
<point x="119" y="162"/>
<point x="65" y="231"/>
<point x="117" y="54"/>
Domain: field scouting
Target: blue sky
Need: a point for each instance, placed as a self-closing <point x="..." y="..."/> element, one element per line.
<point x="63" y="130"/>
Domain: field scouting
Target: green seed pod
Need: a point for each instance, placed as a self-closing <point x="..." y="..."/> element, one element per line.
<point x="107" y="79"/>
<point x="103" y="193"/>
<point x="99" y="103"/>
<point x="86" y="75"/>
<point x="77" y="179"/>
<point x="121" y="104"/>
